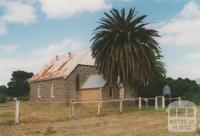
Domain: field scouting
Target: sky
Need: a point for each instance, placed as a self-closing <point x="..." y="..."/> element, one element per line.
<point x="34" y="31"/>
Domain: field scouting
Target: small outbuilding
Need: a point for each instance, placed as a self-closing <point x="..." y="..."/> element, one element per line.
<point x="95" y="88"/>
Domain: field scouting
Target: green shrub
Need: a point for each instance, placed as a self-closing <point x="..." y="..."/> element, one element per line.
<point x="23" y="98"/>
<point x="9" y="98"/>
<point x="2" y="98"/>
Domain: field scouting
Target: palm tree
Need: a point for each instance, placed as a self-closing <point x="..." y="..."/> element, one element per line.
<point x="125" y="50"/>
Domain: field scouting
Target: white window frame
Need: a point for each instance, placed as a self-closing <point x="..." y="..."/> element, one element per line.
<point x="52" y="90"/>
<point x="39" y="91"/>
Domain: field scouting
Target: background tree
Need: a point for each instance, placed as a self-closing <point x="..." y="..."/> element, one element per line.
<point x="153" y="89"/>
<point x="3" y="93"/>
<point x="19" y="85"/>
<point x="4" y="89"/>
<point x="185" y="88"/>
<point x="125" y="50"/>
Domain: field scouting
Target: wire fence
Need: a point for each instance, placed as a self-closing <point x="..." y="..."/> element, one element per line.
<point x="15" y="112"/>
<point x="25" y="111"/>
<point x="116" y="105"/>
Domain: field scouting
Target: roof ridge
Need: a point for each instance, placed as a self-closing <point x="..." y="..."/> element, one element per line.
<point x="65" y="65"/>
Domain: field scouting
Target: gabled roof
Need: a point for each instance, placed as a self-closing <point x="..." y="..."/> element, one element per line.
<point x="94" y="81"/>
<point x="62" y="66"/>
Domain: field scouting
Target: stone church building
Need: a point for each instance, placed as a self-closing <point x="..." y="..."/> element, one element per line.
<point x="72" y="76"/>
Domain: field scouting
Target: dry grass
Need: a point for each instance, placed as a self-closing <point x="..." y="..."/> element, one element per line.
<point x="53" y="120"/>
<point x="7" y="113"/>
<point x="33" y="113"/>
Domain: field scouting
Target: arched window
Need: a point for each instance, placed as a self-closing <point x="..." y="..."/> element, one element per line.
<point x="77" y="83"/>
<point x="52" y="90"/>
<point x="38" y="91"/>
<point x="110" y="92"/>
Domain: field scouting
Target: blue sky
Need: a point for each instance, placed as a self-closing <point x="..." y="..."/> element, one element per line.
<point x="33" y="31"/>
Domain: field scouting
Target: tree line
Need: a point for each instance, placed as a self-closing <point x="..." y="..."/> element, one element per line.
<point x="188" y="89"/>
<point x="18" y="86"/>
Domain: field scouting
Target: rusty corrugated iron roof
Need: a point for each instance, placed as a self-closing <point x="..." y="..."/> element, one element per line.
<point x="62" y="66"/>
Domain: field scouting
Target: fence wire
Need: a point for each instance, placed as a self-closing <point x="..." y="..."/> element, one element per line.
<point x="33" y="112"/>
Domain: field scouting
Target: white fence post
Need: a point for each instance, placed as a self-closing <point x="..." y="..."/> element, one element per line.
<point x="156" y="102"/>
<point x="120" y="106"/>
<point x="140" y="103"/>
<point x="17" y="112"/>
<point x="179" y="100"/>
<point x="147" y="103"/>
<point x="163" y="102"/>
<point x="99" y="109"/>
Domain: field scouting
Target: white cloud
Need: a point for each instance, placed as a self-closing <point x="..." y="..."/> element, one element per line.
<point x="67" y="8"/>
<point x="58" y="48"/>
<point x="17" y="12"/>
<point x="3" y="29"/>
<point x="8" y="49"/>
<point x="183" y="29"/>
<point x="193" y="56"/>
<point x="36" y="59"/>
<point x="184" y="71"/>
<point x="32" y="2"/>
<point x="190" y="11"/>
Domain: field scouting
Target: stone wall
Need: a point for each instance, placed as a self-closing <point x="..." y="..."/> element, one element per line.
<point x="106" y="91"/>
<point x="45" y="91"/>
<point x="93" y="94"/>
<point x="83" y="71"/>
<point x="116" y="93"/>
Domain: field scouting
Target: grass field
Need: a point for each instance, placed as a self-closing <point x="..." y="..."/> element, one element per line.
<point x="43" y="120"/>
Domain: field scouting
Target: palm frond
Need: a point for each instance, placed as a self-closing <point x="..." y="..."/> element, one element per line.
<point x="125" y="49"/>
